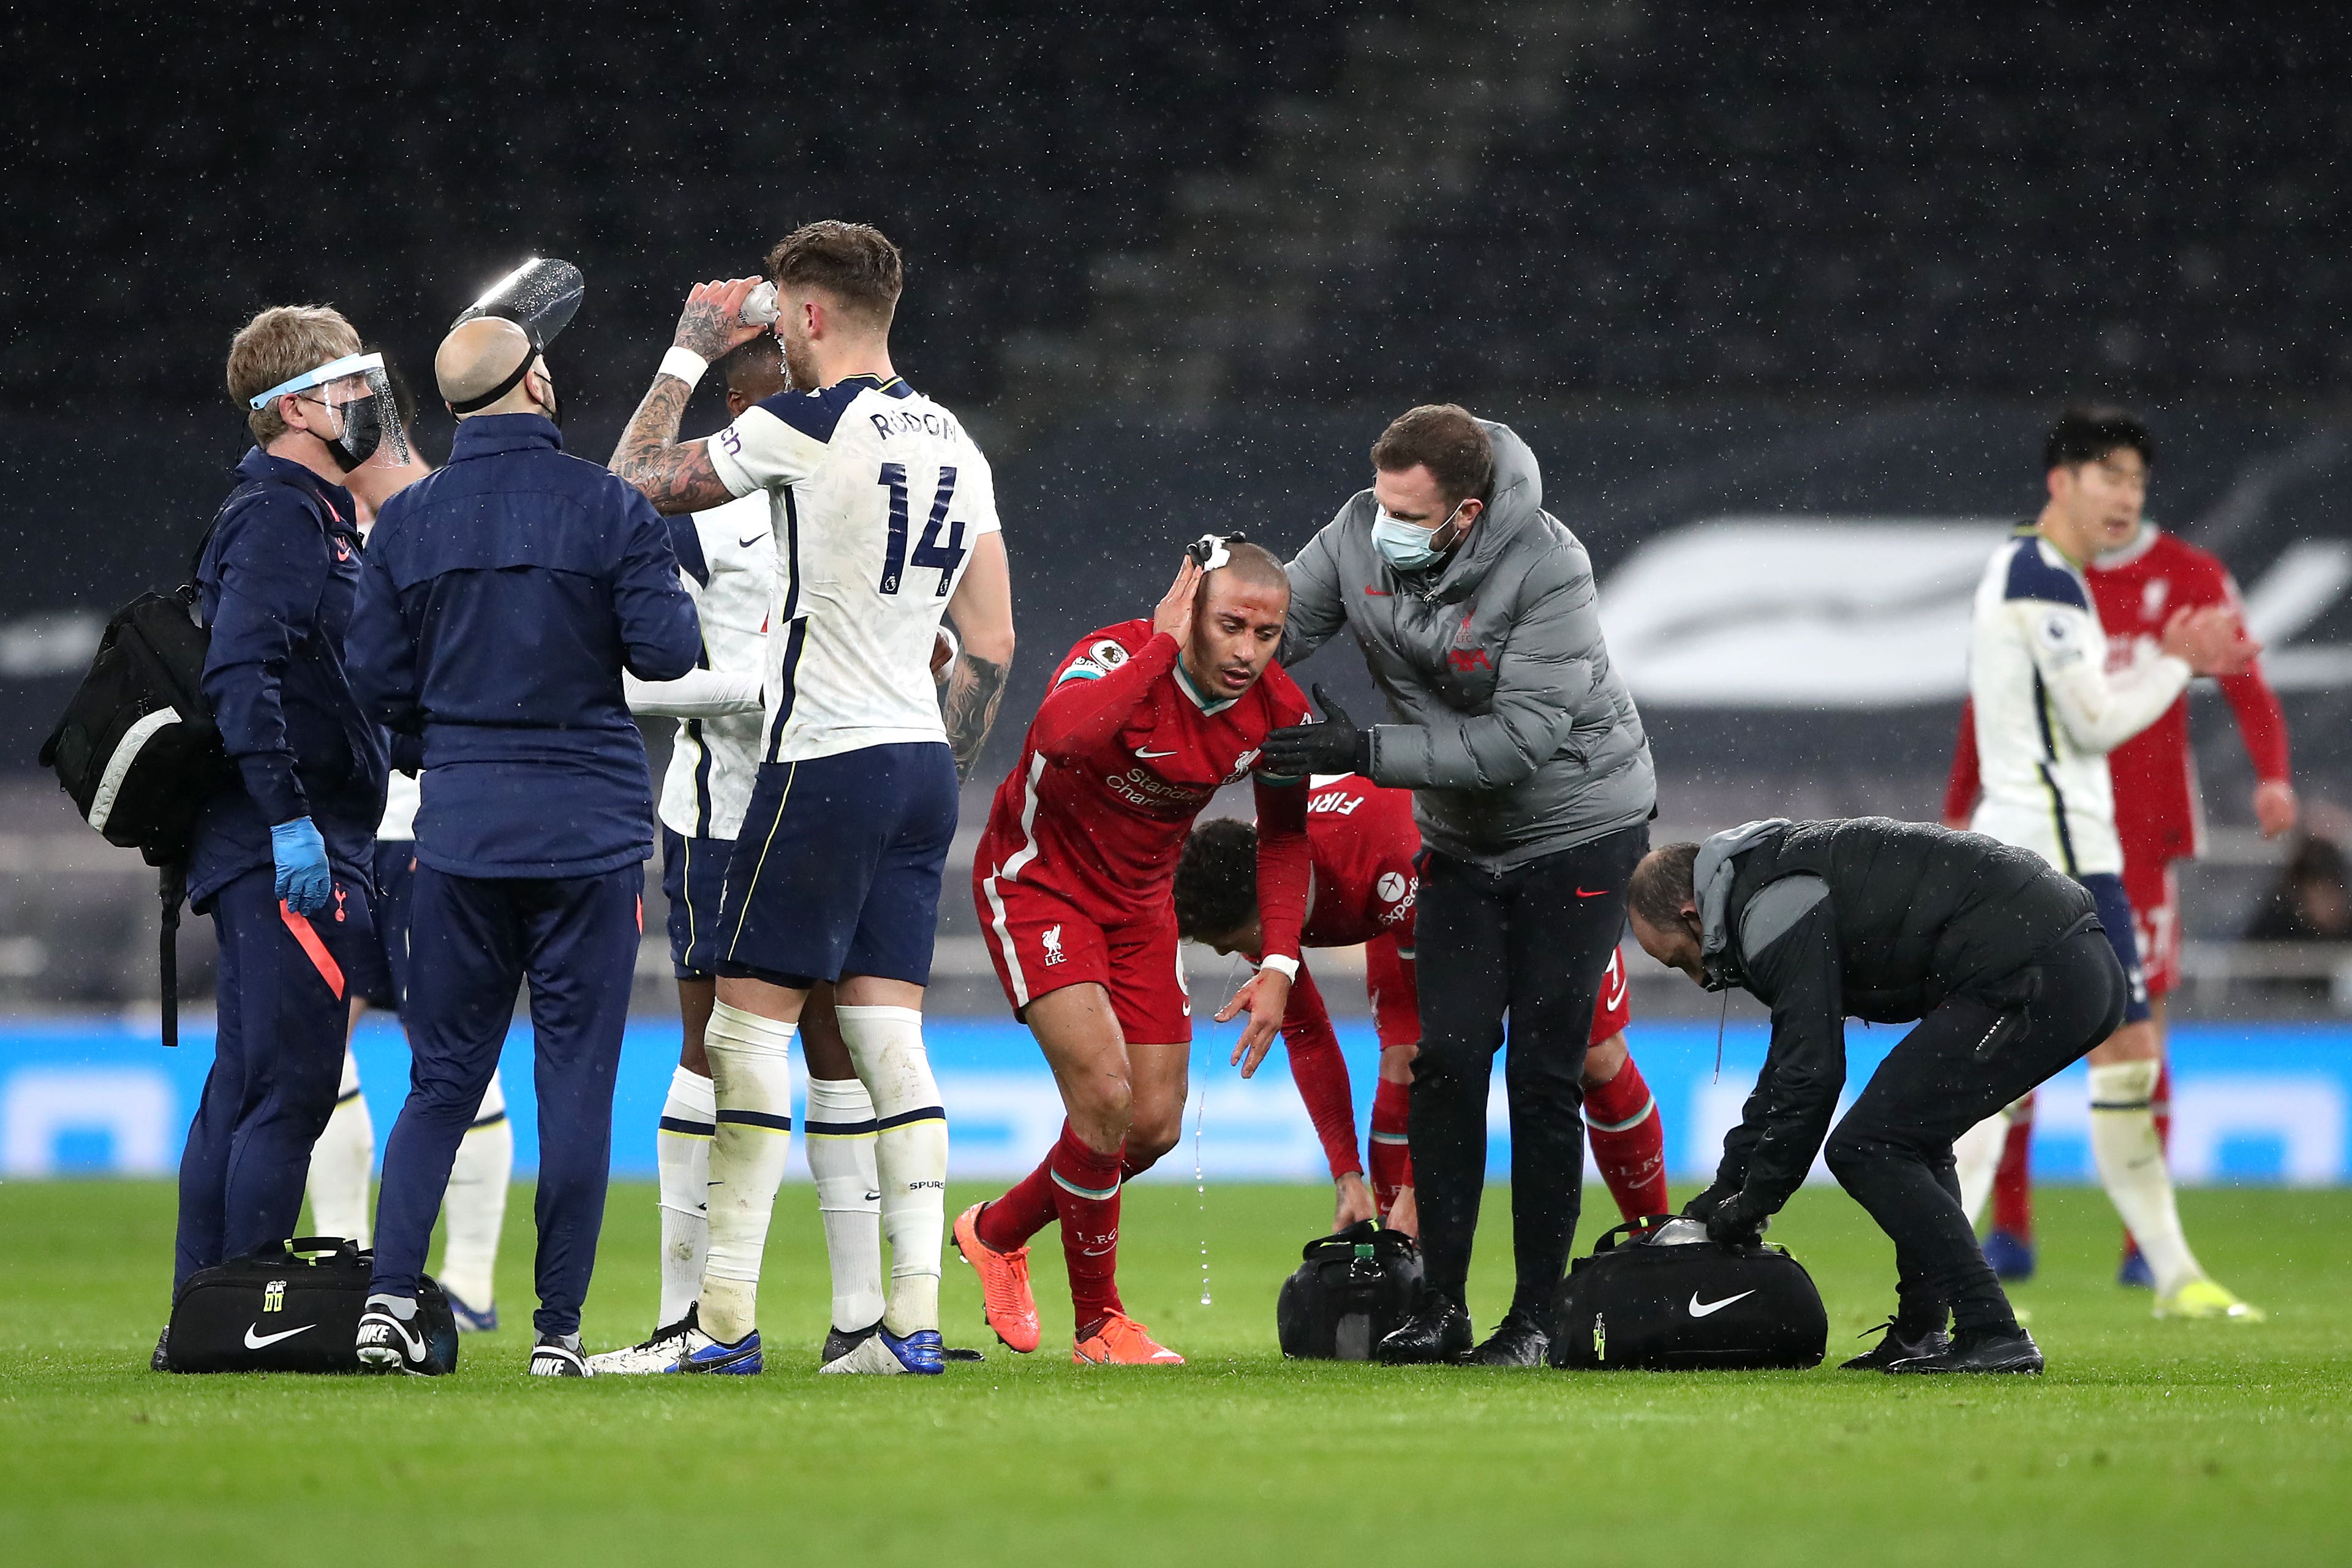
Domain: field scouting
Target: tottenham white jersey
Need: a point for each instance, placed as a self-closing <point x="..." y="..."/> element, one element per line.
<point x="402" y="795"/>
<point x="2048" y="711"/>
<point x="726" y="562"/>
<point x="876" y="497"/>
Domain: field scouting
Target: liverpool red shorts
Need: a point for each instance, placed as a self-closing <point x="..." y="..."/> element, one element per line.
<point x="2156" y="912"/>
<point x="1041" y="943"/>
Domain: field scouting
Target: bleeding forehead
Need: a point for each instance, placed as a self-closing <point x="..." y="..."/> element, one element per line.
<point x="1257" y="603"/>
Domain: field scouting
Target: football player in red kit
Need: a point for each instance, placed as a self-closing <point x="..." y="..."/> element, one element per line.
<point x="2143" y="578"/>
<point x="1144" y="722"/>
<point x="1365" y="886"/>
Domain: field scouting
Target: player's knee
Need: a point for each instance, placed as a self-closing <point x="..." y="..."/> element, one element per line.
<point x="1603" y="1062"/>
<point x="1102" y="1109"/>
<point x="1150" y="1136"/>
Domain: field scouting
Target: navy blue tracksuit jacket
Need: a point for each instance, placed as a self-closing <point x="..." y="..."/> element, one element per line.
<point x="503" y="596"/>
<point x="276" y="581"/>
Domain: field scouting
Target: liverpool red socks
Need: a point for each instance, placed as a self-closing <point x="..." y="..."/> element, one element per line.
<point x="1086" y="1193"/>
<point x="2012" y="1182"/>
<point x="1392" y="1154"/>
<point x="1629" y="1143"/>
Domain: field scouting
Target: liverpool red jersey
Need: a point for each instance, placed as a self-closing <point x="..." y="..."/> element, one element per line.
<point x="1364" y="844"/>
<point x="1124" y="752"/>
<point x="2137" y="590"/>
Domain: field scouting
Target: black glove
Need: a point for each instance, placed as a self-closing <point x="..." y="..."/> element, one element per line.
<point x="1333" y="746"/>
<point x="1702" y="1207"/>
<point x="1735" y="1225"/>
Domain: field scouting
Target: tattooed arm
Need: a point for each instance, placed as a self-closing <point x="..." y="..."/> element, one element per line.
<point x="678" y="476"/>
<point x="983" y="612"/>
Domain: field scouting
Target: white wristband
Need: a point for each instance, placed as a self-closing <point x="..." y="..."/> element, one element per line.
<point x="1282" y="964"/>
<point x="684" y="364"/>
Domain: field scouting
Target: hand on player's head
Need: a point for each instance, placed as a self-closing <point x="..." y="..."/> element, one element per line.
<point x="712" y="321"/>
<point x="2211" y="640"/>
<point x="1173" y="614"/>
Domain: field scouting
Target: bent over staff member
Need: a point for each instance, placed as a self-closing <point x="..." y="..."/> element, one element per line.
<point x="503" y="597"/>
<point x="1533" y="790"/>
<point x="2005" y="966"/>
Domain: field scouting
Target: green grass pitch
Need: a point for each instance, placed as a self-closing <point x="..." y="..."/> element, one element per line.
<point x="2148" y="1443"/>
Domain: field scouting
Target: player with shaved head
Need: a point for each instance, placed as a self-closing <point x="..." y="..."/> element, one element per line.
<point x="1074" y="877"/>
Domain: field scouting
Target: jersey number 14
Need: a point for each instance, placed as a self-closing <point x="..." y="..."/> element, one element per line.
<point x="928" y="551"/>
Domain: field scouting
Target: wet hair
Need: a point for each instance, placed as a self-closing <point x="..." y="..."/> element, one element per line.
<point x="854" y="262"/>
<point x="2088" y="434"/>
<point x="1663" y="883"/>
<point x="757" y="362"/>
<point x="1443" y="438"/>
<point x="1217" y="879"/>
<point x="274" y="347"/>
<point x="1251" y="563"/>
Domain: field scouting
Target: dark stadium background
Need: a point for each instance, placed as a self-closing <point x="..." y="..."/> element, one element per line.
<point x="1177" y="265"/>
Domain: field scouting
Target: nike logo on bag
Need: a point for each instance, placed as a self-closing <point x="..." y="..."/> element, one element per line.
<point x="254" y="1341"/>
<point x="1706" y="1308"/>
<point x="1170" y="753"/>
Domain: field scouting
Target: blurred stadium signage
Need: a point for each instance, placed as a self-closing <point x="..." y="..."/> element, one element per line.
<point x="1856" y="612"/>
<point x="2260" y="1103"/>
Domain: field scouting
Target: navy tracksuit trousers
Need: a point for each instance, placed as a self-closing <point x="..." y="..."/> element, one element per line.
<point x="277" y="1063"/>
<point x="472" y="941"/>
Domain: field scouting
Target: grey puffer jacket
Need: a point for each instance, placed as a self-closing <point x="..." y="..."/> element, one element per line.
<point x="1514" y="732"/>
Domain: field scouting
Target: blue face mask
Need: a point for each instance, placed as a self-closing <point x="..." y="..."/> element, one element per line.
<point x="1407" y="546"/>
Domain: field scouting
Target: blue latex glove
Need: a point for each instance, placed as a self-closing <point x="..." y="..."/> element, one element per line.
<point x="304" y="883"/>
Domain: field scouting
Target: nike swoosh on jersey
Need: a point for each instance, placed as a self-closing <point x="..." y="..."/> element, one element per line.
<point x="254" y="1341"/>
<point x="1165" y="753"/>
<point x="747" y="544"/>
<point x="1699" y="1309"/>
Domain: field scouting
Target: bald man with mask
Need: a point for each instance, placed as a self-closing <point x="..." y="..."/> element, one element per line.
<point x="501" y="600"/>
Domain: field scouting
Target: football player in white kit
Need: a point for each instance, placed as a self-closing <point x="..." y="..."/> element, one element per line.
<point x="474" y="1213"/>
<point x="2048" y="711"/>
<point x="726" y="557"/>
<point x="884" y="515"/>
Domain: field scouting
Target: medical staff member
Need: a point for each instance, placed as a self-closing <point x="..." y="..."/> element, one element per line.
<point x="280" y="854"/>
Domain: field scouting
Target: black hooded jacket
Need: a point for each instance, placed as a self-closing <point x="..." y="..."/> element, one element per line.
<point x="1866" y="918"/>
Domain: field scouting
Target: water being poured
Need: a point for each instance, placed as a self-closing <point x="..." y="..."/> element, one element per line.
<point x="1201" y="1190"/>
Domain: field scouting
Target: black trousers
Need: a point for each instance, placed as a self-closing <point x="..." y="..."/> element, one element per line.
<point x="1533" y="943"/>
<point x="1961" y="1063"/>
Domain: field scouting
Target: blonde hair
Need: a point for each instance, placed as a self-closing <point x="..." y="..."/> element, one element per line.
<point x="274" y="347"/>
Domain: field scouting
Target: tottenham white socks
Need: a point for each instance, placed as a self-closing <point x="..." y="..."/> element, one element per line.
<point x="2131" y="1167"/>
<point x="474" y="1208"/>
<point x="340" y="1160"/>
<point x="689" y="1118"/>
<point x="839" y="1130"/>
<point x="1977" y="1155"/>
<point x="910" y="1152"/>
<point x="752" y="1073"/>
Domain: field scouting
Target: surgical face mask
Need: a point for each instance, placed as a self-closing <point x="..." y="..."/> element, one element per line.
<point x="362" y="433"/>
<point x="1408" y="546"/>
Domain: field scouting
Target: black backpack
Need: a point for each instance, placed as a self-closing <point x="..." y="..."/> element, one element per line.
<point x="1352" y="1289"/>
<point x="1648" y="1298"/>
<point x="137" y="749"/>
<point x="294" y="1307"/>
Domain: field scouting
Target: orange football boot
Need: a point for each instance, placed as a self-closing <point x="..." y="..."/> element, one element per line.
<point x="1123" y="1341"/>
<point x="1005" y="1298"/>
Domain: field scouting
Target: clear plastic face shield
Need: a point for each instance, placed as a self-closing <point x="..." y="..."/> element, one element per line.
<point x="542" y="296"/>
<point x="348" y="404"/>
